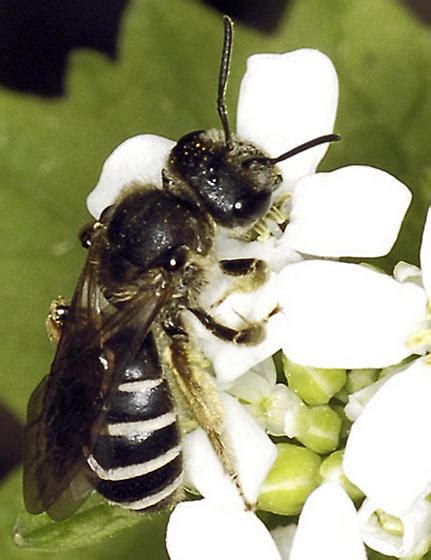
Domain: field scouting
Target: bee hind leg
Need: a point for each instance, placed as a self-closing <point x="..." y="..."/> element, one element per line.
<point x="199" y="391"/>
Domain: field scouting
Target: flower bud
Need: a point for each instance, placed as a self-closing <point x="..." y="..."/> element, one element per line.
<point x="319" y="429"/>
<point x="314" y="385"/>
<point x="294" y="475"/>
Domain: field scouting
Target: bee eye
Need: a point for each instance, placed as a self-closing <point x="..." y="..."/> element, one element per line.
<point x="252" y="207"/>
<point x="175" y="258"/>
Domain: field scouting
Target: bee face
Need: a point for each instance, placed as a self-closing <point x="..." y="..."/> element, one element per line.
<point x="233" y="187"/>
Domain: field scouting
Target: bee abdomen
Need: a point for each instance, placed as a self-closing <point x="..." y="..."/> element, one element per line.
<point x="146" y="491"/>
<point x="137" y="457"/>
<point x="140" y="401"/>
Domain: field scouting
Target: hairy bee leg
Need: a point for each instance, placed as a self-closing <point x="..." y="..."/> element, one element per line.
<point x="253" y="273"/>
<point x="200" y="393"/>
<point x="54" y="322"/>
<point x="252" y="334"/>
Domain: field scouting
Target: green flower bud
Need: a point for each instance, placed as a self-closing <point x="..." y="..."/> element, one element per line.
<point x="319" y="429"/>
<point x="331" y="470"/>
<point x="294" y="475"/>
<point x="357" y="379"/>
<point x="314" y="385"/>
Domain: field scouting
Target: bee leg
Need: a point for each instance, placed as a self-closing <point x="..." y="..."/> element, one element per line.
<point x="254" y="269"/>
<point x="252" y="334"/>
<point x="251" y="274"/>
<point x="200" y="394"/>
<point x="54" y="322"/>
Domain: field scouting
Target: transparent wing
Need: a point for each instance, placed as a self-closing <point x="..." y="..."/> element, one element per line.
<point x="67" y="409"/>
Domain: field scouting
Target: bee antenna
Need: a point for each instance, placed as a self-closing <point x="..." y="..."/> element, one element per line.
<point x="222" y="81"/>
<point x="306" y="146"/>
<point x="294" y="151"/>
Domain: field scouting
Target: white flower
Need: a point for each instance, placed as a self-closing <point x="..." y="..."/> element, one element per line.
<point x="220" y="525"/>
<point x="284" y="101"/>
<point x="407" y="536"/>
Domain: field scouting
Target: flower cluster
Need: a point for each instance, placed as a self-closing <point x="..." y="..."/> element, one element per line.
<point x="348" y="398"/>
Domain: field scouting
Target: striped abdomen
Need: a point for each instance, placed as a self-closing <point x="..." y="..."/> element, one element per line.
<point x="137" y="456"/>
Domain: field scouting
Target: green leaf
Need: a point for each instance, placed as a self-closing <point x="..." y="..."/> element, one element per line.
<point x="93" y="523"/>
<point x="112" y="532"/>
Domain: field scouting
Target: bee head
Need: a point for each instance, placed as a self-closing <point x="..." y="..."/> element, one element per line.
<point x="234" y="184"/>
<point x="232" y="180"/>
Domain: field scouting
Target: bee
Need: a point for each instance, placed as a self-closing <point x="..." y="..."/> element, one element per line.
<point x="105" y="417"/>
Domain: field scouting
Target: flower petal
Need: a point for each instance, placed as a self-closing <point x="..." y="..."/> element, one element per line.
<point x="204" y="471"/>
<point x="410" y="541"/>
<point x="253" y="452"/>
<point x="328" y="527"/>
<point x="425" y="255"/>
<point x="354" y="211"/>
<point x="388" y="455"/>
<point x="341" y="315"/>
<point x="285" y="100"/>
<point x="201" y="529"/>
<point x="140" y="158"/>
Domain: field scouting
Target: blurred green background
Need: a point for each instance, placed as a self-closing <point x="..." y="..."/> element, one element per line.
<point x="164" y="81"/>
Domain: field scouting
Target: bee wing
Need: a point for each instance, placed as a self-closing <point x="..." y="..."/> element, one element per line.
<point x="67" y="409"/>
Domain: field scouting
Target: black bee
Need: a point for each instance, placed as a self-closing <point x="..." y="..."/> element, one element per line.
<point x="104" y="418"/>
